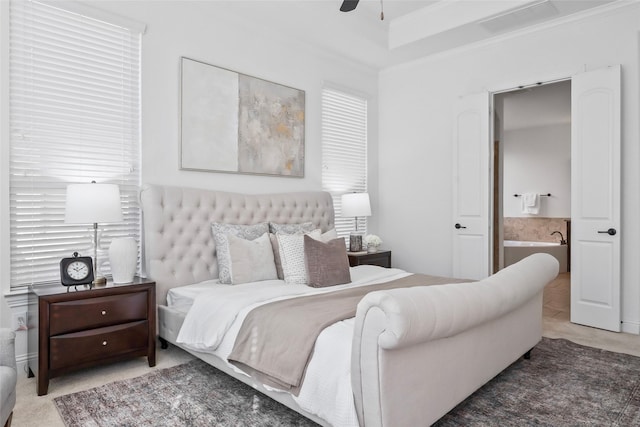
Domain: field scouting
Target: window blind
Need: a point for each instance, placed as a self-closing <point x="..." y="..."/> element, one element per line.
<point x="74" y="117"/>
<point x="344" y="151"/>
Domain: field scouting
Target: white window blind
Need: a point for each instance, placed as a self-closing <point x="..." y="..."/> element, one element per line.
<point x="74" y="117"/>
<point x="344" y="151"/>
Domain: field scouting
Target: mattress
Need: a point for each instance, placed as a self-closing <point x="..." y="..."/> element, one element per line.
<point x="182" y="297"/>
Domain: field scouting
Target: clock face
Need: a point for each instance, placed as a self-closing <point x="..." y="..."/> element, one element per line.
<point x="78" y="270"/>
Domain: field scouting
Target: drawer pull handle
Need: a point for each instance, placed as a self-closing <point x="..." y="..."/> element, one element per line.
<point x="104" y="312"/>
<point x="104" y="343"/>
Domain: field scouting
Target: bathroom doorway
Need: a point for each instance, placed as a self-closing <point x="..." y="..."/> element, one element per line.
<point x="532" y="181"/>
<point x="595" y="199"/>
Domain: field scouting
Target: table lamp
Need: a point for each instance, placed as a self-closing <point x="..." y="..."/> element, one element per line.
<point x="355" y="205"/>
<point x="92" y="204"/>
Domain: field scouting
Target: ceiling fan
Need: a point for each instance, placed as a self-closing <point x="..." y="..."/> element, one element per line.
<point x="349" y="5"/>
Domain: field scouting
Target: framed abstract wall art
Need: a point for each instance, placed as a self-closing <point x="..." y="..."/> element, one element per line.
<point x="231" y="122"/>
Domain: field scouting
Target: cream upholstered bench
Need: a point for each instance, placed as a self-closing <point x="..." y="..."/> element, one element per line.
<point x="8" y="375"/>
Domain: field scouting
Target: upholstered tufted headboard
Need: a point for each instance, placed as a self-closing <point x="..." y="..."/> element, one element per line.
<point x="178" y="243"/>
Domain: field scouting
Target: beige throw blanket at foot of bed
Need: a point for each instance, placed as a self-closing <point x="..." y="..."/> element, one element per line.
<point x="276" y="339"/>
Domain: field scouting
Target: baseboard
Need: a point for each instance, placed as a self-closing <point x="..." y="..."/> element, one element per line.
<point x="631" y="328"/>
<point x="22" y="362"/>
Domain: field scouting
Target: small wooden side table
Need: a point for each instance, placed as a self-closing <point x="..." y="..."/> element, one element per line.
<point x="81" y="326"/>
<point x="380" y="258"/>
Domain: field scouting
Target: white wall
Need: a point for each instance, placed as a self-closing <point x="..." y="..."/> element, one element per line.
<point x="538" y="160"/>
<point x="416" y="102"/>
<point x="206" y="32"/>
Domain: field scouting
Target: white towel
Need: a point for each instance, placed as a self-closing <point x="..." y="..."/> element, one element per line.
<point x="530" y="203"/>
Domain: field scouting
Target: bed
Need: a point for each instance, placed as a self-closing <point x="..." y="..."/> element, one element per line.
<point x="407" y="356"/>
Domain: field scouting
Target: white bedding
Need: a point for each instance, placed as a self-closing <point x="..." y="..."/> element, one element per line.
<point x="217" y="312"/>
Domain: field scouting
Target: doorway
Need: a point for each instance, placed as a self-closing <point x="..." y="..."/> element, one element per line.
<point x="595" y="194"/>
<point x="532" y="159"/>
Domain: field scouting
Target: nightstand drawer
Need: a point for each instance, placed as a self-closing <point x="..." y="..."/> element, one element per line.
<point x="86" y="346"/>
<point x="382" y="259"/>
<point x="70" y="316"/>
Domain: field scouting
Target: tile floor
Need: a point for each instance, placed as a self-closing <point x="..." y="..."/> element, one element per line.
<point x="557" y="298"/>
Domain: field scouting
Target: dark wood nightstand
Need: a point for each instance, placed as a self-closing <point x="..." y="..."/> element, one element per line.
<point x="81" y="326"/>
<point x="381" y="258"/>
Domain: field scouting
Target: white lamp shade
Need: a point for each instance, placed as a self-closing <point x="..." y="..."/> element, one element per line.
<point x="92" y="203"/>
<point x="356" y="204"/>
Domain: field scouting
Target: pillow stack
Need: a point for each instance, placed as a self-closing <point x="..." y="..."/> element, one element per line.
<point x="297" y="253"/>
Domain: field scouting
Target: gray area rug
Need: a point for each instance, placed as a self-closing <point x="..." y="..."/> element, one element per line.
<point x="193" y="394"/>
<point x="563" y="384"/>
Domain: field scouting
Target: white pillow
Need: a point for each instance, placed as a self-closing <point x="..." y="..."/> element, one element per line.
<point x="292" y="256"/>
<point x="329" y="236"/>
<point x="251" y="260"/>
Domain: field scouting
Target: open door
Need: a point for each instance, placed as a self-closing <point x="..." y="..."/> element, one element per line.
<point x="471" y="161"/>
<point x="595" y="199"/>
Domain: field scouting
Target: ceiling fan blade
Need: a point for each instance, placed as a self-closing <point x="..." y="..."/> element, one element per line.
<point x="348" y="5"/>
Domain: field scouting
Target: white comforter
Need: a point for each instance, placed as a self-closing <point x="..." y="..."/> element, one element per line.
<point x="213" y="321"/>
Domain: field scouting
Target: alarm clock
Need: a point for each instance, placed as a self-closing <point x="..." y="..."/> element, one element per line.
<point x="77" y="270"/>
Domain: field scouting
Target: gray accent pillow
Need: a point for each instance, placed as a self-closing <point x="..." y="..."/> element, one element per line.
<point x="302" y="228"/>
<point x="220" y="232"/>
<point x="251" y="260"/>
<point x="327" y="263"/>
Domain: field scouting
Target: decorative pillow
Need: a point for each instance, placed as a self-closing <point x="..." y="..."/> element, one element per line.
<point x="331" y="234"/>
<point x="276" y="255"/>
<point x="327" y="263"/>
<point x="304" y="227"/>
<point x="291" y="248"/>
<point x="220" y="232"/>
<point x="251" y="260"/>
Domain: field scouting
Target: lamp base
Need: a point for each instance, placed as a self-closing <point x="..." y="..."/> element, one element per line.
<point x="100" y="281"/>
<point x="355" y="242"/>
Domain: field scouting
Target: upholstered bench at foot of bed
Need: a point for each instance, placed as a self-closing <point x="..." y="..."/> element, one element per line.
<point x="443" y="342"/>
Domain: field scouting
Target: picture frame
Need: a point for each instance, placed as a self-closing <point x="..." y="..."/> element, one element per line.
<point x="234" y="123"/>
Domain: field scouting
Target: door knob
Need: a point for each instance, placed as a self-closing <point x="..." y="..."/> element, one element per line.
<point x="458" y="226"/>
<point x="610" y="232"/>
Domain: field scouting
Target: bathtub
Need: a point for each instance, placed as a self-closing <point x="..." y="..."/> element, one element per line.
<point x="515" y="250"/>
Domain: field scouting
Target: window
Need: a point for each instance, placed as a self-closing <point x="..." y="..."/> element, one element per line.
<point x="344" y="151"/>
<point x="74" y="117"/>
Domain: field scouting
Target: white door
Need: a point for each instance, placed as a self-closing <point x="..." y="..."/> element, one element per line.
<point x="595" y="199"/>
<point x="470" y="224"/>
